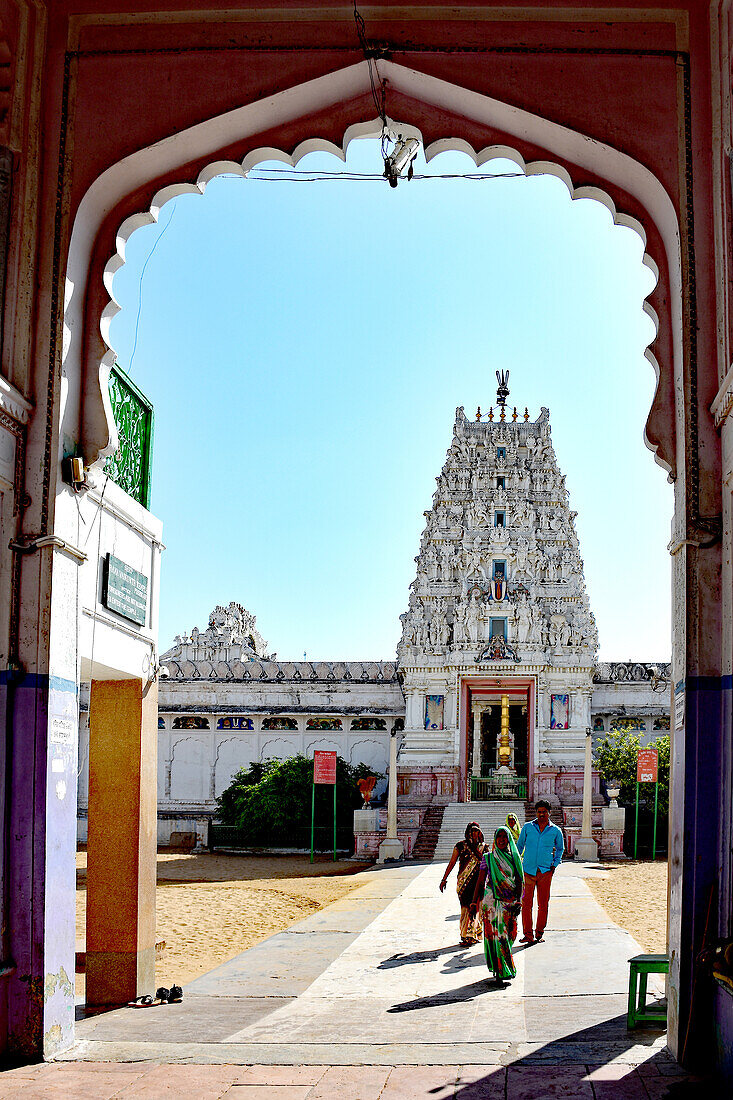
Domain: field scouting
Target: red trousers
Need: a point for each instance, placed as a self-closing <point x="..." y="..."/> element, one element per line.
<point x="542" y="880"/>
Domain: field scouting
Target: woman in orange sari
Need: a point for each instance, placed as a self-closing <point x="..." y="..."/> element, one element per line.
<point x="468" y="854"/>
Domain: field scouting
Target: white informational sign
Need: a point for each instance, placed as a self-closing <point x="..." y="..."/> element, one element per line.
<point x="679" y="709"/>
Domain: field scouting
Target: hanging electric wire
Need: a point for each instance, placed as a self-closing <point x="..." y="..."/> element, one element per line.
<point x="378" y="85"/>
<point x="265" y="175"/>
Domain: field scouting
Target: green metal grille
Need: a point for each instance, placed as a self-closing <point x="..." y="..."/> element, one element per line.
<point x="498" y="788"/>
<point x="130" y="466"/>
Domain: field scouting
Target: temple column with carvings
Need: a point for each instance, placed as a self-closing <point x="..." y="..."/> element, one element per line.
<point x="477" y="710"/>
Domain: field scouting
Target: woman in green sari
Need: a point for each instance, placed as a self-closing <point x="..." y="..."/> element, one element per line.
<point x="501" y="882"/>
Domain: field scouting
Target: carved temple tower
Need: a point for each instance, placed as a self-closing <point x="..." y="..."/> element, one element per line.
<point x="498" y="646"/>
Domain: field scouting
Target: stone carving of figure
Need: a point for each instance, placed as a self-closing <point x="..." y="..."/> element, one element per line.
<point x="447" y="562"/>
<point x="566" y="563"/>
<point x="474" y="556"/>
<point x="408" y="628"/>
<point x="535" y="626"/>
<point x="524" y="620"/>
<point x="431" y="562"/>
<point x="473" y="617"/>
<point x="440" y="628"/>
<point x="521" y="547"/>
<point x="459" y="623"/>
<point x="423" y="636"/>
<point x="456" y="515"/>
<point x="521" y="514"/>
<point x="564" y="632"/>
<point x="479" y="515"/>
<point x="549" y="562"/>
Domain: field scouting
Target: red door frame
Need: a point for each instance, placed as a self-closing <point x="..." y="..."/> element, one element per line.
<point x="469" y="685"/>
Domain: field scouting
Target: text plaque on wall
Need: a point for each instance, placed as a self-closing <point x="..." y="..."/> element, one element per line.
<point x="125" y="590"/>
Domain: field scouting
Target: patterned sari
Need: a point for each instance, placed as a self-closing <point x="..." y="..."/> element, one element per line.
<point x="469" y="866"/>
<point x="501" y="905"/>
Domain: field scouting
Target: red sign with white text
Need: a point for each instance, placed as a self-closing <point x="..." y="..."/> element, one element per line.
<point x="646" y="766"/>
<point x="324" y="766"/>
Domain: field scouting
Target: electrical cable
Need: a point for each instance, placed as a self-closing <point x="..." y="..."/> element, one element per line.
<point x="140" y="289"/>
<point x="369" y="52"/>
<point x="306" y="177"/>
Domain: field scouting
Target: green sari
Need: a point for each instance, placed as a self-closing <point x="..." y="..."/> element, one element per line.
<point x="501" y="905"/>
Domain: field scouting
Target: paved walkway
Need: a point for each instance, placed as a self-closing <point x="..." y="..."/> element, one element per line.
<point x="372" y="998"/>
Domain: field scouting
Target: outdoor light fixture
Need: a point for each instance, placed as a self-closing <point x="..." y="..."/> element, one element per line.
<point x="74" y="473"/>
<point x="401" y="157"/>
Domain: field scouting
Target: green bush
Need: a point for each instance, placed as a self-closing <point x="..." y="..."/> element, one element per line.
<point x="269" y="801"/>
<point x="615" y="758"/>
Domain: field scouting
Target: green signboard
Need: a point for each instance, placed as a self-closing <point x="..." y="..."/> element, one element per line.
<point x="125" y="590"/>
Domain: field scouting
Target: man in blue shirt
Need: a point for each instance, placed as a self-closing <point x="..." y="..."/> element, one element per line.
<point x="541" y="845"/>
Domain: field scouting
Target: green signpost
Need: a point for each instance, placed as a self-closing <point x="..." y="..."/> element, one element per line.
<point x="124" y="590"/>
<point x="647" y="771"/>
<point x="324" y="771"/>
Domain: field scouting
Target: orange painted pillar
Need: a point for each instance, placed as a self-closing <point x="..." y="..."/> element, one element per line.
<point x="122" y="841"/>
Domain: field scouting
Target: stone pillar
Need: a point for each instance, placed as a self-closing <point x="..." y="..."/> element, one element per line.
<point x="585" y="845"/>
<point x="391" y="846"/>
<point x="477" y="710"/>
<point x="122" y="841"/>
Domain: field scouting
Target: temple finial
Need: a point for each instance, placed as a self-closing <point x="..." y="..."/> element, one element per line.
<point x="502" y="391"/>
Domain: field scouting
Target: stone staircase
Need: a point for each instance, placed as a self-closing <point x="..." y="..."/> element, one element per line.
<point x="427" y="838"/>
<point x="555" y="815"/>
<point x="488" y="814"/>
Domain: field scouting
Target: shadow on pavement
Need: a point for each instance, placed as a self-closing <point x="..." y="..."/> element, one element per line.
<point x="584" y="1055"/>
<point x="419" y="956"/>
<point x="452" y="997"/>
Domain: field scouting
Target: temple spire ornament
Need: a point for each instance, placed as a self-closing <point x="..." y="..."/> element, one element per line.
<point x="502" y="392"/>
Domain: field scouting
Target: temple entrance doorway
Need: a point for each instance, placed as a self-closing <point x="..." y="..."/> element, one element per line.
<point x="497" y="732"/>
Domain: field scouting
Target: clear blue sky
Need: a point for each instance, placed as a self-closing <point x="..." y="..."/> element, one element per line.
<point x="305" y="346"/>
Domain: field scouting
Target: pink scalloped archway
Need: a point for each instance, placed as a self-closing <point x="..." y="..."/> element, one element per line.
<point x="338" y="105"/>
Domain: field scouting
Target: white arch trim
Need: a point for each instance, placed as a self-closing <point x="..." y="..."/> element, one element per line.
<point x="201" y="141"/>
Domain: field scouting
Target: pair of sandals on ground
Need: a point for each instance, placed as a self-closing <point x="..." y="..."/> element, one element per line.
<point x="163" y="995"/>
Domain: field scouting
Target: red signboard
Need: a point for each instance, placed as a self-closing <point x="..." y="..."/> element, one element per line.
<point x="646" y="766"/>
<point x="324" y="766"/>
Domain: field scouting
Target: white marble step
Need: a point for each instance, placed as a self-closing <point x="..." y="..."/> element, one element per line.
<point x="488" y="814"/>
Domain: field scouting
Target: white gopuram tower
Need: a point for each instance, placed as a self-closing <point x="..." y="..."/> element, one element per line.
<point x="498" y="646"/>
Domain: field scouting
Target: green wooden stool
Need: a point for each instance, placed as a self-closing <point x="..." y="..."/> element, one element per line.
<point x="639" y="967"/>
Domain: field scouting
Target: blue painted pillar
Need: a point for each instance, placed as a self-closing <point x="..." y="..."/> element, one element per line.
<point x="41" y="877"/>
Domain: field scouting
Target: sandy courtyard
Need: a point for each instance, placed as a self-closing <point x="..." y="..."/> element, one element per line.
<point x="634" y="894"/>
<point x="212" y="906"/>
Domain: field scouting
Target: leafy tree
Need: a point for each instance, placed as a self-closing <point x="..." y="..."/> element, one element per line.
<point x="616" y="757"/>
<point x="270" y="801"/>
